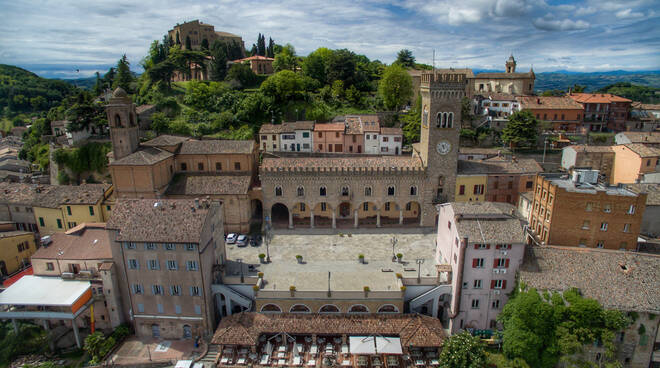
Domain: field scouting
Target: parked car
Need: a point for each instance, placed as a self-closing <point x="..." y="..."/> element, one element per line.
<point x="242" y="240"/>
<point x="231" y="238"/>
<point x="253" y="241"/>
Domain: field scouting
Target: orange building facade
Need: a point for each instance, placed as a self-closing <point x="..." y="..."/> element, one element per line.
<point x="561" y="112"/>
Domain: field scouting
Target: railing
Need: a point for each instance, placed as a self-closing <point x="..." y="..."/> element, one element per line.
<point x="439" y="199"/>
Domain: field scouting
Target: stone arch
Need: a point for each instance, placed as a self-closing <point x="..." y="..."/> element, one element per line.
<point x="368" y="214"/>
<point x="323" y="191"/>
<point x="344" y="210"/>
<point x="412" y="212"/>
<point x="450" y="120"/>
<point x="322" y="214"/>
<point x="345" y="190"/>
<point x="389" y="213"/>
<point x="329" y="308"/>
<point x="118" y="121"/>
<point x="257" y="209"/>
<point x="388" y="308"/>
<point x="438" y="120"/>
<point x="358" y="308"/>
<point x="300" y="191"/>
<point x="279" y="215"/>
<point x="390" y="190"/>
<point x="271" y="308"/>
<point x="301" y="214"/>
<point x="299" y="308"/>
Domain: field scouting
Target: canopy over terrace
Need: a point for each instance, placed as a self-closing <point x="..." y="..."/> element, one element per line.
<point x="375" y="345"/>
<point x="45" y="298"/>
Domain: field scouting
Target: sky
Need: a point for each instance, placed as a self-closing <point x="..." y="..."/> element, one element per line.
<point x="74" y="38"/>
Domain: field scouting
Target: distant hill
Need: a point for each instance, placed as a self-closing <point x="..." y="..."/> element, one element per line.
<point x="594" y="81"/>
<point x="84" y="83"/>
<point x="22" y="91"/>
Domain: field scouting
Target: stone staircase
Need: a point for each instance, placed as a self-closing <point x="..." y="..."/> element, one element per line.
<point x="211" y="357"/>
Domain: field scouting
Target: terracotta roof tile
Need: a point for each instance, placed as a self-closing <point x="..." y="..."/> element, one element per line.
<point x="503" y="75"/>
<point x="642" y="137"/>
<point x="255" y="57"/>
<point x="391" y="131"/>
<point x="245" y="328"/>
<point x="215" y="146"/>
<point x="621" y="280"/>
<point x="165" y="140"/>
<point x="498" y="165"/>
<point x="157" y="220"/>
<point x="548" y="102"/>
<point x="90" y="241"/>
<point x="73" y="194"/>
<point x="366" y="162"/>
<point x="643" y="150"/>
<point x="329" y="127"/>
<point x="143" y="156"/>
<point x="203" y="184"/>
<point x="11" y="234"/>
<point x="292" y="126"/>
<point x="586" y="148"/>
<point x="597" y="98"/>
<point x="652" y="191"/>
<point x="270" y="129"/>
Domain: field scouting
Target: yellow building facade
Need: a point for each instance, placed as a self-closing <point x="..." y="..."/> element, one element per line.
<point x="471" y="188"/>
<point x="16" y="248"/>
<point x="70" y="206"/>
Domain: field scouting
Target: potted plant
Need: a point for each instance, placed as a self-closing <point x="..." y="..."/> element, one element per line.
<point x="399" y="276"/>
<point x="292" y="289"/>
<point x="361" y="258"/>
<point x="366" y="291"/>
<point x="262" y="258"/>
<point x="255" y="288"/>
<point x="399" y="256"/>
<point x="260" y="275"/>
<point x="299" y="258"/>
<point x="403" y="288"/>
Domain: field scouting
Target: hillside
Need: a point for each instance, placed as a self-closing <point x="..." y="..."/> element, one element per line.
<point x="22" y="91"/>
<point x="562" y="80"/>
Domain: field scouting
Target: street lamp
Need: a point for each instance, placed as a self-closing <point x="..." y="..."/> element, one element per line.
<point x="545" y="143"/>
<point x="240" y="264"/>
<point x="419" y="262"/>
<point x="267" y="240"/>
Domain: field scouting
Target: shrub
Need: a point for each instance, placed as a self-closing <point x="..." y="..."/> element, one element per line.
<point x="361" y="256"/>
<point x="262" y="255"/>
<point x="260" y="275"/>
<point x="399" y="276"/>
<point x="255" y="287"/>
<point x="399" y="255"/>
<point x="366" y="289"/>
<point x="292" y="288"/>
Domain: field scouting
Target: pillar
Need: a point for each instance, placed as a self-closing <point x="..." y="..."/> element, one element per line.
<point x="311" y="219"/>
<point x="378" y="219"/>
<point x="355" y="222"/>
<point x="421" y="217"/>
<point x="290" y="220"/>
<point x="435" y="307"/>
<point x="51" y="344"/>
<point x="400" y="217"/>
<point x="227" y="304"/>
<point x="334" y="220"/>
<point x="14" y="322"/>
<point x="76" y="334"/>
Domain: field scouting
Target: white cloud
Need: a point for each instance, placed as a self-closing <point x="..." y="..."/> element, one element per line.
<point x="548" y="23"/>
<point x="628" y="13"/>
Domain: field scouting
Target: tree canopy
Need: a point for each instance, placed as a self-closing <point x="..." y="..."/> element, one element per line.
<point x="463" y="351"/>
<point x="124" y="76"/>
<point x="405" y="58"/>
<point x="521" y="130"/>
<point x="396" y="87"/>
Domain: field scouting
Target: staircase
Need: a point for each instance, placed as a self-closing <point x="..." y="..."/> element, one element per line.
<point x="235" y="296"/>
<point x="430" y="295"/>
<point x="211" y="356"/>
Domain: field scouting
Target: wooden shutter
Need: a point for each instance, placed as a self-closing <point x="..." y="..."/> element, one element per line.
<point x="476" y="246"/>
<point x="503" y="284"/>
<point x="506" y="263"/>
<point x="492" y="284"/>
<point x="474" y="262"/>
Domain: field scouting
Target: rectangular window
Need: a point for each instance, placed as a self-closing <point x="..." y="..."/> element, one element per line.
<point x="497" y="284"/>
<point x="631" y="210"/>
<point x="501" y="263"/>
<point x="461" y="190"/>
<point x="496" y="304"/>
<point x="175" y="290"/>
<point x="41" y="222"/>
<point x="190" y="246"/>
<point x="140" y="308"/>
<point x="170" y="246"/>
<point x="365" y="206"/>
<point x="237" y="165"/>
<point x="586" y="224"/>
<point x="68" y="210"/>
<point x="305" y="134"/>
<point x="607" y="208"/>
<point x="194" y="291"/>
<point x="192" y="266"/>
<point x="160" y="308"/>
<point x="171" y="265"/>
<point x="184" y="167"/>
<point x="133" y="264"/>
<point x="218" y="166"/>
<point x="323" y="206"/>
<point x="385" y="139"/>
<point x="477" y="284"/>
<point x="129" y="245"/>
<point x="477" y="263"/>
<point x="157" y="289"/>
<point x="59" y="223"/>
<point x="50" y="266"/>
<point x="150" y="246"/>
<point x="200" y="166"/>
<point x="108" y="208"/>
<point x="153" y="264"/>
<point x="198" y="309"/>
<point x="387" y="206"/>
<point x="91" y="210"/>
<point x="177" y="309"/>
<point x="137" y="289"/>
<point x="603" y="226"/>
<point x="626" y="228"/>
<point x="589" y="207"/>
<point x="600" y="244"/>
<point x="475" y="303"/>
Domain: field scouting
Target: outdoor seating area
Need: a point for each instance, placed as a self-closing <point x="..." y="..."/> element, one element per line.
<point x="247" y="339"/>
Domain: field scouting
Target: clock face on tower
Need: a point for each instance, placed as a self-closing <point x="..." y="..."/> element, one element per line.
<point x="443" y="147"/>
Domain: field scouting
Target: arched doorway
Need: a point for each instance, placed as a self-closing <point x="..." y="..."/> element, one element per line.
<point x="411" y="213"/>
<point x="344" y="215"/>
<point x="257" y="209"/>
<point x="279" y="215"/>
<point x="344" y="210"/>
<point x="367" y="214"/>
<point x="389" y="214"/>
<point x="301" y="216"/>
<point x="323" y="215"/>
<point x="187" y="332"/>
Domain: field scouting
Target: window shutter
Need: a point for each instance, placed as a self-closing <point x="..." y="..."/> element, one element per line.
<point x="498" y="246"/>
<point x="487" y="246"/>
<point x="503" y="284"/>
<point x="495" y="263"/>
<point x="506" y="263"/>
<point x="474" y="262"/>
<point x="476" y="246"/>
<point x="492" y="284"/>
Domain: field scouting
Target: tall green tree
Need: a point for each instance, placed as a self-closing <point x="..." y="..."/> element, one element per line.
<point x="242" y="74"/>
<point x="205" y="44"/>
<point x="405" y="58"/>
<point x="98" y="85"/>
<point x="463" y="351"/>
<point x="396" y="87"/>
<point x="314" y="65"/>
<point x="270" y="52"/>
<point x="521" y="130"/>
<point x="261" y="45"/>
<point x="412" y="123"/>
<point x="124" y="76"/>
<point x="218" y="61"/>
<point x="286" y="59"/>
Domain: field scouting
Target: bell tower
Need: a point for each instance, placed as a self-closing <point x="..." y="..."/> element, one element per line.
<point x="511" y="65"/>
<point x="442" y="94"/>
<point x="123" y="124"/>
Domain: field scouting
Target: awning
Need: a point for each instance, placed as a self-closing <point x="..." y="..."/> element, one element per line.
<point x="371" y="345"/>
<point x="47" y="291"/>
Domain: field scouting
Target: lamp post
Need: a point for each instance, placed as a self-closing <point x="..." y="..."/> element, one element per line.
<point x="240" y="264"/>
<point x="267" y="240"/>
<point x="419" y="262"/>
<point x="394" y="240"/>
<point x="545" y="143"/>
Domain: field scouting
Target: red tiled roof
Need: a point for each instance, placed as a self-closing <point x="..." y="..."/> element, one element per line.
<point x="85" y="242"/>
<point x="597" y="98"/>
<point x="413" y="329"/>
<point x="391" y="131"/>
<point x="329" y="127"/>
<point x="255" y="57"/>
<point x="548" y="102"/>
<point x="366" y="162"/>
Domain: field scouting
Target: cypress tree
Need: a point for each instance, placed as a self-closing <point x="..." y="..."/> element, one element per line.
<point x="124" y="76"/>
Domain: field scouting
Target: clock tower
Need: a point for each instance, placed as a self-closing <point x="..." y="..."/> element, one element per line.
<point x="442" y="94"/>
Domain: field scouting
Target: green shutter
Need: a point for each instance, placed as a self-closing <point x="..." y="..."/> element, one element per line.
<point x="59" y="223"/>
<point x="68" y="210"/>
<point x="91" y="210"/>
<point x="41" y="222"/>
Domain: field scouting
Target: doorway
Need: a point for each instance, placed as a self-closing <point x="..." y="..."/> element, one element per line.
<point x="187" y="331"/>
<point x="155" y="330"/>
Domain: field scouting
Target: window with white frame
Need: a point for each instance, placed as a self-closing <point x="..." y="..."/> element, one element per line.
<point x="192" y="266"/>
<point x="133" y="264"/>
<point x="478" y="284"/>
<point x="195" y="291"/>
<point x="157" y="289"/>
<point x="631" y="209"/>
<point x="153" y="264"/>
<point x="170" y="246"/>
<point x="626" y="228"/>
<point x="175" y="290"/>
<point x="603" y="226"/>
<point x="475" y="303"/>
<point x="137" y="289"/>
<point x="171" y="265"/>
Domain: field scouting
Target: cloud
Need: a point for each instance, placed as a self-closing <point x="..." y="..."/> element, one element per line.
<point x="628" y="13"/>
<point x="547" y="23"/>
<point x="56" y="38"/>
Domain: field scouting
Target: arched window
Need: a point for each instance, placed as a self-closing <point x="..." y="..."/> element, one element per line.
<point x="390" y="190"/>
<point x="132" y="117"/>
<point x="329" y="308"/>
<point x="322" y="191"/>
<point x="450" y="120"/>
<point x="388" y="308"/>
<point x="358" y="308"/>
<point x="367" y="191"/>
<point x="299" y="308"/>
<point x="444" y="119"/>
<point x="413" y="190"/>
<point x="301" y="192"/>
<point x="438" y="120"/>
<point x="425" y="116"/>
<point x="278" y="191"/>
<point x="271" y="308"/>
<point x="344" y="191"/>
<point x="117" y="120"/>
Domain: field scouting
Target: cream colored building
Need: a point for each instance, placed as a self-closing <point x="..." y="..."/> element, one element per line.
<point x="198" y="32"/>
<point x="16" y="247"/>
<point x="509" y="82"/>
